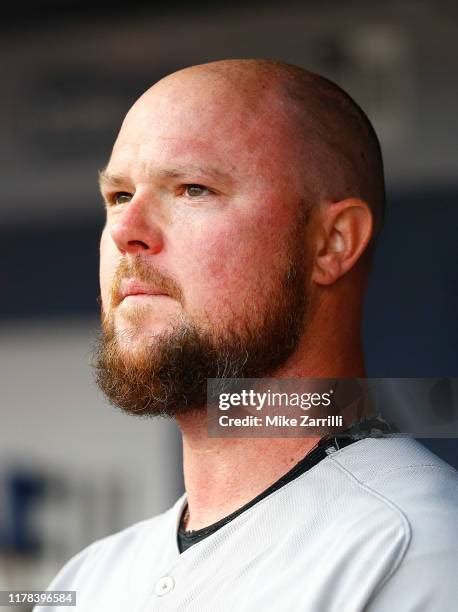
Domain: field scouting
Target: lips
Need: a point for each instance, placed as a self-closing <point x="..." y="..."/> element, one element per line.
<point x="133" y="287"/>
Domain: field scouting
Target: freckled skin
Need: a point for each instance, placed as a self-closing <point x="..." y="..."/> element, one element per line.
<point x="220" y="249"/>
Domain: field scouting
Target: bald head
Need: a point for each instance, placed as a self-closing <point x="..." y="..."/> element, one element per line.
<point x="338" y="153"/>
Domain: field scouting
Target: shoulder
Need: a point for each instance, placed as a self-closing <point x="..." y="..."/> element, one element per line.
<point x="400" y="471"/>
<point x="419" y="493"/>
<point x="401" y="474"/>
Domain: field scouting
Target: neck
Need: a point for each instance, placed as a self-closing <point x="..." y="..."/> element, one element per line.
<point x="223" y="474"/>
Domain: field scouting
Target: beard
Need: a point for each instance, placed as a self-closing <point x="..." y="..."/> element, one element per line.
<point x="168" y="376"/>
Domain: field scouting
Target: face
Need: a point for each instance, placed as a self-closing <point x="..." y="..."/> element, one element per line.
<point x="202" y="266"/>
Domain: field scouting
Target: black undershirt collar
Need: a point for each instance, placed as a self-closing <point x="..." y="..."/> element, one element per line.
<point x="324" y="447"/>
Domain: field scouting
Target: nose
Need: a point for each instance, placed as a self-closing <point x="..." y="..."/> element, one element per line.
<point x="134" y="231"/>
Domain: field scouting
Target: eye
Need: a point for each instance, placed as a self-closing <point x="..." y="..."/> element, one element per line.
<point x="120" y="197"/>
<point x="196" y="191"/>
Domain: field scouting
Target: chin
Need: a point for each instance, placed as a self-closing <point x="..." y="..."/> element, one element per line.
<point x="140" y="334"/>
<point x="138" y="319"/>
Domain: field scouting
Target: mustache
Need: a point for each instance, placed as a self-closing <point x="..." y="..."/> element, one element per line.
<point x="136" y="268"/>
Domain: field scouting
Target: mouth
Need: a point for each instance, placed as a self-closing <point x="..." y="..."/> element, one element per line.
<point x="132" y="288"/>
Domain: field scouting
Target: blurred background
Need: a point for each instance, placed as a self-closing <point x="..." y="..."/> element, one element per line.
<point x="73" y="469"/>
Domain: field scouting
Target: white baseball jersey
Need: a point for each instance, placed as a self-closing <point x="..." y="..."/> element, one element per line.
<point x="373" y="526"/>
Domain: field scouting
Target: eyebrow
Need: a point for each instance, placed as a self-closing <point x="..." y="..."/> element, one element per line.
<point x="113" y="179"/>
<point x="106" y="177"/>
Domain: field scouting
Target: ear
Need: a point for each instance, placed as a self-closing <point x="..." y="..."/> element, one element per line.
<point x="343" y="233"/>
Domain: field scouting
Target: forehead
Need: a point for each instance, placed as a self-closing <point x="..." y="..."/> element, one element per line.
<point x="199" y="123"/>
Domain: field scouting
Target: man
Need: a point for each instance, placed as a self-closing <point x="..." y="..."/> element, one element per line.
<point x="243" y="198"/>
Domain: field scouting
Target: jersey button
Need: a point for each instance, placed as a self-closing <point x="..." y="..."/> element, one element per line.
<point x="164" y="585"/>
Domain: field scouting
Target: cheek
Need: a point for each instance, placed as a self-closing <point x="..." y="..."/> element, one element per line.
<point x="108" y="262"/>
<point x="225" y="267"/>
